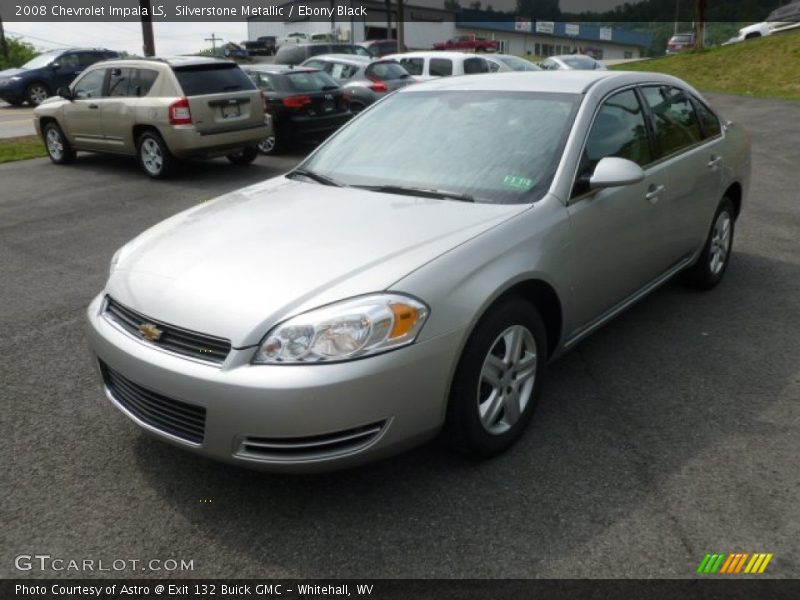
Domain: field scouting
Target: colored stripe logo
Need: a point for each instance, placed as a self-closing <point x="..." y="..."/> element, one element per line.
<point x="734" y="563"/>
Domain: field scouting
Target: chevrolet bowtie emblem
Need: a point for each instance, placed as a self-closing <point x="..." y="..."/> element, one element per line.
<point x="150" y="332"/>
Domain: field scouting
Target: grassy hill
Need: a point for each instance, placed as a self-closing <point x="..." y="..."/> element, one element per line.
<point x="767" y="67"/>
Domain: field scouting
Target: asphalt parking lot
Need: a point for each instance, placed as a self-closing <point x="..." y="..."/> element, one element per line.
<point x="15" y="120"/>
<point x="670" y="433"/>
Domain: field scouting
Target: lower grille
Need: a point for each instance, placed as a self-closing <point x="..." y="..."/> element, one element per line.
<point x="318" y="446"/>
<point x="185" y="421"/>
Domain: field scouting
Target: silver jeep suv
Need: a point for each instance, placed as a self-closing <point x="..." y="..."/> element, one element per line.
<point x="159" y="110"/>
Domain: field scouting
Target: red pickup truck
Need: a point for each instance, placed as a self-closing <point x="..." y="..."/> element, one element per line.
<point x="468" y="42"/>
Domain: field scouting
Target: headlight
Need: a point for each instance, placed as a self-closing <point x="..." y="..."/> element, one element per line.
<point x="16" y="78"/>
<point x="345" y="330"/>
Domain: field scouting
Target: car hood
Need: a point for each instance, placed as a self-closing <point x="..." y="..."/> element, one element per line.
<point x="10" y="73"/>
<point x="236" y="266"/>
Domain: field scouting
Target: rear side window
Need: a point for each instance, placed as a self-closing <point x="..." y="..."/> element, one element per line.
<point x="676" y="122"/>
<point x="318" y="49"/>
<point x="143" y="83"/>
<point x="619" y="130"/>
<point x="475" y="65"/>
<point x="708" y="120"/>
<point x="310" y="81"/>
<point x="264" y="81"/>
<point x="342" y="71"/>
<point x="119" y="82"/>
<point x="441" y="67"/>
<point x="200" y="80"/>
<point x="89" y="58"/>
<point x="385" y="71"/>
<point x="413" y="65"/>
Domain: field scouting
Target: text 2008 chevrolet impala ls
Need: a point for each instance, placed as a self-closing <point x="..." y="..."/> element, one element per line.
<point x="382" y="293"/>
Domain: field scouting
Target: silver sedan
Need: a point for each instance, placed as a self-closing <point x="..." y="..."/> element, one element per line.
<point x="381" y="294"/>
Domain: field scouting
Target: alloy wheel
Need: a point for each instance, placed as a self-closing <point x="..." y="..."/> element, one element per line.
<point x="55" y="145"/>
<point x="37" y="94"/>
<point x="720" y="243"/>
<point x="267" y="145"/>
<point x="152" y="157"/>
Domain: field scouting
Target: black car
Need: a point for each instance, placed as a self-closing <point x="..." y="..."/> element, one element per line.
<point x="306" y="105"/>
<point x="39" y="78"/>
<point x="294" y="54"/>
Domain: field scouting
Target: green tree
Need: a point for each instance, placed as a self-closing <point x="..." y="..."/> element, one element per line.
<point x="19" y="53"/>
<point x="539" y="9"/>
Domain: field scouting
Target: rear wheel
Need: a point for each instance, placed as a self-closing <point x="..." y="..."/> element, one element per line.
<point x="244" y="157"/>
<point x="269" y="145"/>
<point x="154" y="156"/>
<point x="58" y="148"/>
<point x="36" y="93"/>
<point x="710" y="267"/>
<point x="498" y="380"/>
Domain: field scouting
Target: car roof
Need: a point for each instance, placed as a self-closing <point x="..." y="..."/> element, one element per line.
<point x="271" y="68"/>
<point x="172" y="61"/>
<point x="354" y="59"/>
<point x="565" y="82"/>
<point x="563" y="56"/>
<point x="430" y="53"/>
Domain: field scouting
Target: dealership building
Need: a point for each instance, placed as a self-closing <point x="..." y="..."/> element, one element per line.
<point x="426" y="25"/>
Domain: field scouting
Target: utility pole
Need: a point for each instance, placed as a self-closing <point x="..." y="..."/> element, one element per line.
<point x="389" y="19"/>
<point x="401" y="33"/>
<point x="149" y="45"/>
<point x="3" y="45"/>
<point x="700" y="25"/>
<point x="213" y="39"/>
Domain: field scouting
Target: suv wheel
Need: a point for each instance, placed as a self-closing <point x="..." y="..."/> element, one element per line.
<point x="498" y="380"/>
<point x="244" y="157"/>
<point x="36" y="94"/>
<point x="58" y="148"/>
<point x="154" y="156"/>
<point x="269" y="145"/>
<point x="710" y="267"/>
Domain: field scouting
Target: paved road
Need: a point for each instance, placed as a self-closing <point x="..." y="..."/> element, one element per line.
<point x="670" y="433"/>
<point x="15" y="121"/>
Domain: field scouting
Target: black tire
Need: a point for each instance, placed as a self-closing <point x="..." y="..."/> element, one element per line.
<point x="271" y="145"/>
<point x="154" y="156"/>
<point x="58" y="147"/>
<point x="244" y="157"/>
<point x="14" y="102"/>
<point x="356" y="107"/>
<point x="464" y="428"/>
<point x="36" y="93"/>
<point x="706" y="273"/>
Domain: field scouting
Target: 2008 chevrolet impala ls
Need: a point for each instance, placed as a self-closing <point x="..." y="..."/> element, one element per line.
<point x="418" y="271"/>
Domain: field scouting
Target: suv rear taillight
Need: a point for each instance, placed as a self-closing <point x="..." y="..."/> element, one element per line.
<point x="296" y="101"/>
<point x="180" y="113"/>
<point x="379" y="86"/>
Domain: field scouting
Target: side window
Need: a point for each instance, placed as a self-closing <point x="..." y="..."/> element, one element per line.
<point x="317" y="49"/>
<point x="475" y="65"/>
<point x="143" y="82"/>
<point x="86" y="59"/>
<point x="440" y="67"/>
<point x="90" y="85"/>
<point x="619" y="130"/>
<point x="68" y="62"/>
<point x="342" y="71"/>
<point x="315" y="64"/>
<point x="119" y="82"/>
<point x="264" y="82"/>
<point x="414" y="66"/>
<point x="708" y="120"/>
<point x="677" y="126"/>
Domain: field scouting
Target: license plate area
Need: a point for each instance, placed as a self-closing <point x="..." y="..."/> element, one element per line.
<point x="230" y="111"/>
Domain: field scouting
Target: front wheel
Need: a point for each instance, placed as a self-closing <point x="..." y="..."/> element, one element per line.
<point x="154" y="156"/>
<point x="498" y="380"/>
<point x="244" y="157"/>
<point x="36" y="94"/>
<point x="710" y="267"/>
<point x="58" y="148"/>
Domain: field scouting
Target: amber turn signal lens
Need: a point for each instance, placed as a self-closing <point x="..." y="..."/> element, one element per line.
<point x="404" y="318"/>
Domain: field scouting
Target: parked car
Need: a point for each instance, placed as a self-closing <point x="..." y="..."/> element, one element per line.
<point x="306" y="105"/>
<point x="293" y="38"/>
<point x="380" y="48"/>
<point x="431" y="64"/>
<point x="295" y="54"/>
<point x="40" y="77"/>
<point x="680" y="42"/>
<point x="572" y="62"/>
<point x="468" y="42"/>
<point x="381" y="293"/>
<point x="781" y="19"/>
<point x="158" y="110"/>
<point x="366" y="80"/>
<point x="507" y="62"/>
<point x="263" y="46"/>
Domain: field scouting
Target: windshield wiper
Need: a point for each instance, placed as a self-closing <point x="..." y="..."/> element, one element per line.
<point x="414" y="191"/>
<point x="323" y="179"/>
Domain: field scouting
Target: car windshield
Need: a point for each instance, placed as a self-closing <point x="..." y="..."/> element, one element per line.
<point x="40" y="61"/>
<point x="495" y="146"/>
<point x="518" y="64"/>
<point x="579" y="62"/>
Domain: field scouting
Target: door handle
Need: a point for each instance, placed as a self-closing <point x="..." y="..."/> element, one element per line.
<point x="654" y="192"/>
<point x="714" y="162"/>
<point x="94" y="106"/>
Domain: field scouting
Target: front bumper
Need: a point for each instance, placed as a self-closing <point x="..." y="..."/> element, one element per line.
<point x="315" y="128"/>
<point x="288" y="417"/>
<point x="12" y="92"/>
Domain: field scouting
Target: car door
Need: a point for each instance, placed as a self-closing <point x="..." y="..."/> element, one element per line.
<point x="82" y="116"/>
<point x="616" y="233"/>
<point x="118" y="108"/>
<point x="691" y="162"/>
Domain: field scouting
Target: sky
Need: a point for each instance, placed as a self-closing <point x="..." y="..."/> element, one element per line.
<point x="184" y="38"/>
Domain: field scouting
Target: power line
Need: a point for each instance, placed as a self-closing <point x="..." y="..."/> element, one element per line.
<point x="214" y="39"/>
<point x="38" y="39"/>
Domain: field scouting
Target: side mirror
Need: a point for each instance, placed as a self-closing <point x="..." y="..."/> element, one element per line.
<point x="615" y="172"/>
<point x="64" y="92"/>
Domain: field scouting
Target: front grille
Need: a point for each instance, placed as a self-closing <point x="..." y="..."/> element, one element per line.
<point x="182" y="420"/>
<point x="318" y="446"/>
<point x="172" y="338"/>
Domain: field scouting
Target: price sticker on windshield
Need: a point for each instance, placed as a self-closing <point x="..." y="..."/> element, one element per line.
<point x="514" y="182"/>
